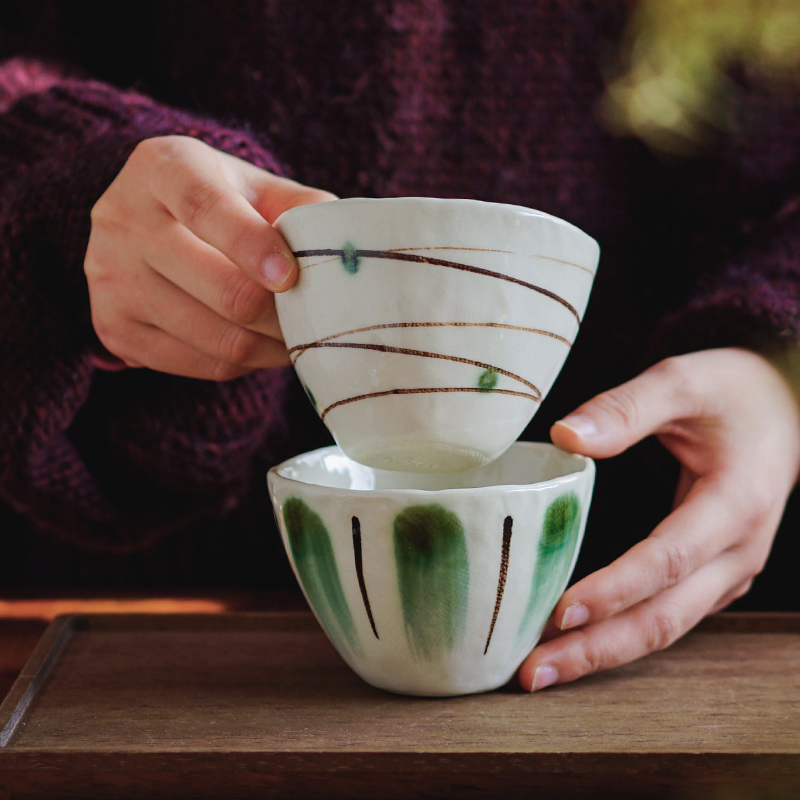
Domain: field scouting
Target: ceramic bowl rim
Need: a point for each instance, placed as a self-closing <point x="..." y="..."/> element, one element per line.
<point x="274" y="475"/>
<point x="455" y="202"/>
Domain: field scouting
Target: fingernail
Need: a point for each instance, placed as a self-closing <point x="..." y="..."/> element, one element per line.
<point x="545" y="675"/>
<point x="277" y="269"/>
<point x="576" y="614"/>
<point x="580" y="424"/>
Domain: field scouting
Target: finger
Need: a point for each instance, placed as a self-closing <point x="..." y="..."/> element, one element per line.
<point x="194" y="189"/>
<point x="741" y="590"/>
<point x="620" y="417"/>
<point x="691" y="536"/>
<point x="162" y="352"/>
<point x="645" y="628"/>
<point x="204" y="273"/>
<point x="167" y="307"/>
<point x="268" y="193"/>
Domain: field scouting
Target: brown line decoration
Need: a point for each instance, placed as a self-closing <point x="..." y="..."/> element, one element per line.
<point x="405" y="351"/>
<point x="440" y="262"/>
<point x="467" y="249"/>
<point x="501" y="583"/>
<point x="462" y="249"/>
<point x="434" y="390"/>
<point x="487" y="250"/>
<point x="386" y="325"/>
<point x="360" y="572"/>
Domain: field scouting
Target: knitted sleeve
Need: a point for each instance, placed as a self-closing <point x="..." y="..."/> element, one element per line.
<point x="107" y="459"/>
<point x="752" y="300"/>
<point x="748" y="292"/>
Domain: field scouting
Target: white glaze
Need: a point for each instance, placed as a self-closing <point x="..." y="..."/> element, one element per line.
<point x="511" y="327"/>
<point x="521" y="485"/>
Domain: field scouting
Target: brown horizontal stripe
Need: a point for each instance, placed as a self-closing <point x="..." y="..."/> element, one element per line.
<point x="387" y="325"/>
<point x="464" y="249"/>
<point x="470" y="250"/>
<point x="371" y="395"/>
<point x="440" y="262"/>
<point x="487" y="250"/>
<point x="406" y="351"/>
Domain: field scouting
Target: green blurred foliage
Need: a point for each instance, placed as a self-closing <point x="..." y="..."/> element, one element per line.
<point x="672" y="86"/>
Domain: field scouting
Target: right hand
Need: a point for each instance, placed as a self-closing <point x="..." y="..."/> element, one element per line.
<point x="183" y="261"/>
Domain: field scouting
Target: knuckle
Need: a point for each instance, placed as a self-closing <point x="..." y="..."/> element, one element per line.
<point x="597" y="656"/>
<point x="145" y="155"/>
<point x="673" y="368"/>
<point x="99" y="208"/>
<point x="620" y="403"/>
<point x="175" y="147"/>
<point x="242" y="300"/>
<point x="238" y="346"/>
<point x="664" y="628"/>
<point x="755" y="506"/>
<point x="147" y="147"/>
<point x="108" y="212"/>
<point x="676" y="375"/>
<point x="156" y="147"/>
<point x="676" y="562"/>
<point x="91" y="264"/>
<point x="199" y="200"/>
<point x="763" y="501"/>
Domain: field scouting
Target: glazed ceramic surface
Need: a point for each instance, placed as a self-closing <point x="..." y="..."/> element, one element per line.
<point x="433" y="584"/>
<point x="427" y="331"/>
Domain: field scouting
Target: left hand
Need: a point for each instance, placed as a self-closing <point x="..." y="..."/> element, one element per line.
<point x="733" y="423"/>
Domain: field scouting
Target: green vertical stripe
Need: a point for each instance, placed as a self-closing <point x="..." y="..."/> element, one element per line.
<point x="562" y="521"/>
<point x="433" y="576"/>
<point x="313" y="556"/>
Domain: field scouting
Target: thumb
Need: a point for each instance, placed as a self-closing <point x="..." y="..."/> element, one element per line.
<point x="614" y="420"/>
<point x="270" y="195"/>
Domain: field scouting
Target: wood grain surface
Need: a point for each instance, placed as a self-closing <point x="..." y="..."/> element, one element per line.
<point x="262" y="706"/>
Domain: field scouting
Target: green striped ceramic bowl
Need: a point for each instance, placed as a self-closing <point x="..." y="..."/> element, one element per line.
<point x="433" y="584"/>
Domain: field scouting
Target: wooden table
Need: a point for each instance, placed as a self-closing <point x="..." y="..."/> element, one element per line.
<point x="261" y="706"/>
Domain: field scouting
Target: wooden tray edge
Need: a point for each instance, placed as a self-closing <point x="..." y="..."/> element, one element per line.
<point x="60" y="631"/>
<point x="35" y="673"/>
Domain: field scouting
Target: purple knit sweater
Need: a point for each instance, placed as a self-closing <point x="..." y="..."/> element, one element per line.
<point x="493" y="99"/>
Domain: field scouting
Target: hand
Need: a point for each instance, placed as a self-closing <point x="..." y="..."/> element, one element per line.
<point x="733" y="424"/>
<point x="182" y="261"/>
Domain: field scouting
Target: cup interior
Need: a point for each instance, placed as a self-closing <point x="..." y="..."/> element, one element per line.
<point x="523" y="464"/>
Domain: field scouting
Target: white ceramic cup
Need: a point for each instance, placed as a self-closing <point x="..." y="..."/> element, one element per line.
<point x="433" y="584"/>
<point x="426" y="332"/>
